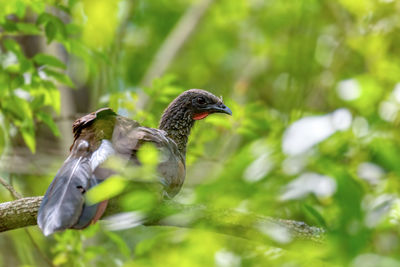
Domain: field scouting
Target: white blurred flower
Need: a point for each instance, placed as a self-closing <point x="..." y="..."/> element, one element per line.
<point x="348" y="89"/>
<point x="225" y="258"/>
<point x="27" y="78"/>
<point x="23" y="94"/>
<point x="360" y="127"/>
<point x="320" y="185"/>
<point x="43" y="74"/>
<point x="309" y="131"/>
<point x="377" y="208"/>
<point x="370" y="172"/>
<point x="262" y="165"/>
<point x="388" y="111"/>
<point x="258" y="169"/>
<point x="123" y="221"/>
<point x="276" y="232"/>
<point x="9" y="59"/>
<point x="293" y="165"/>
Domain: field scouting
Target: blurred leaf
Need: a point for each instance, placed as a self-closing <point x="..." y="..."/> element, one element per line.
<point x="43" y="18"/>
<point x="148" y="154"/>
<point x="122" y="246"/>
<point x="27" y="28"/>
<point x="140" y="200"/>
<point x="3" y="139"/>
<point x="316" y="215"/>
<point x="63" y="78"/>
<point x="29" y="137"/>
<point x="45" y="59"/>
<point x="13" y="46"/>
<point x="48" y="120"/>
<point x="60" y="258"/>
<point x="51" y="31"/>
<point x="107" y="189"/>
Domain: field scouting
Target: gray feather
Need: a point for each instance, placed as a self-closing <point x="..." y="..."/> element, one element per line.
<point x="63" y="202"/>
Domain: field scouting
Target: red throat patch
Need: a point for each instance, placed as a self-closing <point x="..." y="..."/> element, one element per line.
<point x="200" y="116"/>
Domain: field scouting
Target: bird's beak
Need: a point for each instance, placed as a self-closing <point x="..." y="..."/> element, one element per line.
<point x="220" y="108"/>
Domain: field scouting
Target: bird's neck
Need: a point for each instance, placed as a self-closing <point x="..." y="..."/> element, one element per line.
<point x="177" y="122"/>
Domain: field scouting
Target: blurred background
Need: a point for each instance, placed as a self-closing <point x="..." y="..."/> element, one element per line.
<point x="315" y="94"/>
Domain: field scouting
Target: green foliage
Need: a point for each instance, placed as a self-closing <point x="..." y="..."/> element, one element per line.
<point x="29" y="85"/>
<point x="315" y="95"/>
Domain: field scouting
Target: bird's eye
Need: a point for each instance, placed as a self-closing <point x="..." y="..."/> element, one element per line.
<point x="201" y="100"/>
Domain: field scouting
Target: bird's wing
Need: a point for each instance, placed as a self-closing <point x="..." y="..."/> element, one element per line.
<point x="97" y="136"/>
<point x="63" y="205"/>
<point x="127" y="140"/>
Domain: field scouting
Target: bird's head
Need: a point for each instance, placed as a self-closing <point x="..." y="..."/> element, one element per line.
<point x="188" y="107"/>
<point x="200" y="103"/>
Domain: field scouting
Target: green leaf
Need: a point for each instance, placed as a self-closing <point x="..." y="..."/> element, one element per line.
<point x="25" y="64"/>
<point x="148" y="154"/>
<point x="122" y="246"/>
<point x="9" y="26"/>
<point x="18" y="108"/>
<point x="3" y="138"/>
<point x="43" y="18"/>
<point x="107" y="189"/>
<point x="27" y="28"/>
<point x="20" y="9"/>
<point x="38" y="6"/>
<point x="28" y="134"/>
<point x="73" y="28"/>
<point x="62" y="78"/>
<point x="60" y="258"/>
<point x="45" y="59"/>
<point x="315" y="214"/>
<point x="61" y="28"/>
<point x="12" y="45"/>
<point x="18" y="81"/>
<point x="48" y="120"/>
<point x="51" y="31"/>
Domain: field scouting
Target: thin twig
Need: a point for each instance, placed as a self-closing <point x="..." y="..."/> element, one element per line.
<point x="11" y="189"/>
<point x="172" y="44"/>
<point x="39" y="250"/>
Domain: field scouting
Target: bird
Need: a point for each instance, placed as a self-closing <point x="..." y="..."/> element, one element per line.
<point x="103" y="134"/>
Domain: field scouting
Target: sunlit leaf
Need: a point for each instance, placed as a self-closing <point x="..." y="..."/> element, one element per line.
<point x="148" y="154"/>
<point x="29" y="138"/>
<point x="107" y="189"/>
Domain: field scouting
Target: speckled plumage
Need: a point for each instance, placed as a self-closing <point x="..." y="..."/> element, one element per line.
<point x="177" y="119"/>
<point x="103" y="133"/>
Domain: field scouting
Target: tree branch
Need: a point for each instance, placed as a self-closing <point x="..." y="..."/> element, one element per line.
<point x="19" y="213"/>
<point x="22" y="213"/>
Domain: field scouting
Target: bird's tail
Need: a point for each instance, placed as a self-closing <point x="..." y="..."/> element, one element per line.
<point x="63" y="202"/>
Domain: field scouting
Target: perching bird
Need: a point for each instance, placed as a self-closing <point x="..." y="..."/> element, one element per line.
<point x="101" y="134"/>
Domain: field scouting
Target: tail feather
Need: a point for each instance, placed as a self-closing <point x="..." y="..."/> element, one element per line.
<point x="88" y="211"/>
<point x="63" y="202"/>
<point x="63" y="206"/>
